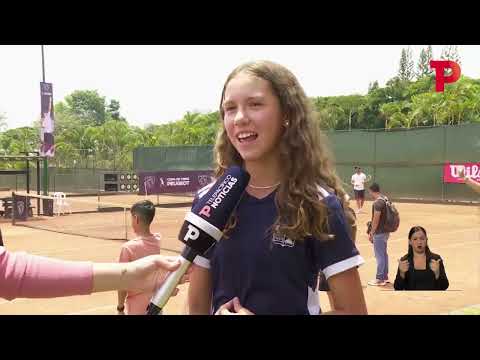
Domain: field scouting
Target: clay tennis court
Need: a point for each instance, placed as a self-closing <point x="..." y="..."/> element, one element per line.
<point x="453" y="231"/>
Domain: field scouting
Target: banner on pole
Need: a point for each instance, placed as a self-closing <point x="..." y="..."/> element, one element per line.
<point x="47" y="117"/>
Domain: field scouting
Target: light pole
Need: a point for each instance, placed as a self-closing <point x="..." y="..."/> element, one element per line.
<point x="386" y="117"/>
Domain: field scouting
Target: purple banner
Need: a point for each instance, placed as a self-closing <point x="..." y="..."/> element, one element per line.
<point x="47" y="120"/>
<point x="160" y="182"/>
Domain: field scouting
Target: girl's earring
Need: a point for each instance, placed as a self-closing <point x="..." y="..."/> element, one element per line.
<point x="286" y="123"/>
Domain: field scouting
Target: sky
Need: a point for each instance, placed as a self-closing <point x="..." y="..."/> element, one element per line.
<point x="159" y="83"/>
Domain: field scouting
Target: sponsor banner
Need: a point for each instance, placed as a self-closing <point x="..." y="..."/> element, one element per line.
<point x="451" y="172"/>
<point x="160" y="182"/>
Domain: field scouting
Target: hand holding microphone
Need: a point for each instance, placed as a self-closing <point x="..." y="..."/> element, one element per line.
<point x="203" y="227"/>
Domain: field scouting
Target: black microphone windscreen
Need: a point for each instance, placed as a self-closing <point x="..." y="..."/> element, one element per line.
<point x="205" y="223"/>
<point x="203" y="226"/>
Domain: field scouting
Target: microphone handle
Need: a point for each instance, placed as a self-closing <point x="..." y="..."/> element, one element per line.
<point x="160" y="298"/>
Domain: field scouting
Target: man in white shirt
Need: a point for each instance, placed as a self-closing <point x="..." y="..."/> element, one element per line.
<point x="358" y="181"/>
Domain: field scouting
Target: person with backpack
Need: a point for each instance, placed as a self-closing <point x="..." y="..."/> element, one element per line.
<point x="385" y="219"/>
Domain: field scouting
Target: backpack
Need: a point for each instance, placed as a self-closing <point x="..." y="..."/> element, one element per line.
<point x="392" y="216"/>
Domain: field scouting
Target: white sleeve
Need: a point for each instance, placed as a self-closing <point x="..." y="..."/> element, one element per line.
<point x="202" y="262"/>
<point x="344" y="265"/>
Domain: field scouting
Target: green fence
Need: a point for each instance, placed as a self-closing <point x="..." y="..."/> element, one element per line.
<point x="73" y="180"/>
<point x="172" y="158"/>
<point x="407" y="163"/>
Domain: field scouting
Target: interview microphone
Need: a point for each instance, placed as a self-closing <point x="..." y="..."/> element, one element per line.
<point x="203" y="227"/>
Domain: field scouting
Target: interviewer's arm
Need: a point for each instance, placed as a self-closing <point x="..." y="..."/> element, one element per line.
<point x="30" y="276"/>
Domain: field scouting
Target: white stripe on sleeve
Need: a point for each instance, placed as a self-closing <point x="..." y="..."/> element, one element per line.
<point x="343" y="265"/>
<point x="202" y="262"/>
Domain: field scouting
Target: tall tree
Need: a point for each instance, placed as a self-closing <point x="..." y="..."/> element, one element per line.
<point x="87" y="105"/>
<point x="113" y="110"/>
<point x="21" y="139"/>
<point x="406" y="68"/>
<point x="3" y="122"/>
<point x="350" y="105"/>
<point x="450" y="52"/>
<point x="373" y="86"/>
<point x="423" y="67"/>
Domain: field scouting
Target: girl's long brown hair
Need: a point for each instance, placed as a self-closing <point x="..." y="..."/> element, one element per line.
<point x="304" y="151"/>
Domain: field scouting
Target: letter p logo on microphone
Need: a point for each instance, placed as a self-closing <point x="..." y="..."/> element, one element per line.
<point x="192" y="233"/>
<point x="205" y="211"/>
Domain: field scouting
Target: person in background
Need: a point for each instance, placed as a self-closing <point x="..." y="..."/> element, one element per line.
<point x="378" y="236"/>
<point x="145" y="243"/>
<point x="359" y="179"/>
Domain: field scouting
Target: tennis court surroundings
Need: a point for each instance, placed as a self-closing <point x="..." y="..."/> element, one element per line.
<point x="407" y="164"/>
<point x="103" y="216"/>
<point x="458" y="244"/>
